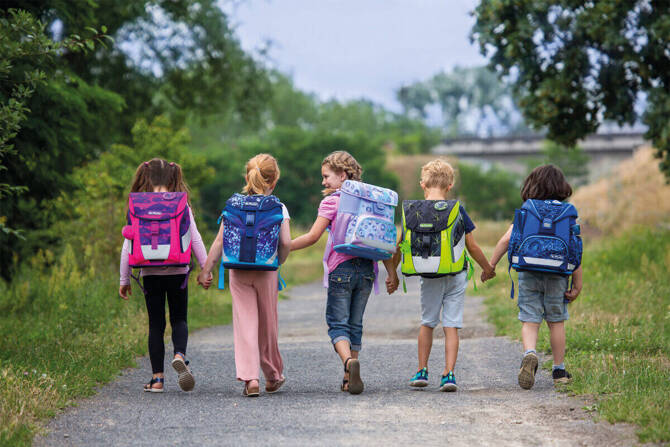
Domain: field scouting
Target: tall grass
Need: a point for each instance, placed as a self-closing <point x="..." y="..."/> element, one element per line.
<point x="65" y="332"/>
<point x="618" y="334"/>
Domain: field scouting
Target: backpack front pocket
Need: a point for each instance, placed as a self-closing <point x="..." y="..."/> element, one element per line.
<point x="545" y="251"/>
<point x="373" y="232"/>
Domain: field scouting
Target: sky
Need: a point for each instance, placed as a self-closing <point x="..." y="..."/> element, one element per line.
<point x="348" y="49"/>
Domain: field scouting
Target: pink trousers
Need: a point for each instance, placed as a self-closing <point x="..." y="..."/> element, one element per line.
<point x="255" y="324"/>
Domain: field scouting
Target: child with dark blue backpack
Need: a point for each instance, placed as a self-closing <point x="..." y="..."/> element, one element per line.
<point x="255" y="291"/>
<point x="542" y="295"/>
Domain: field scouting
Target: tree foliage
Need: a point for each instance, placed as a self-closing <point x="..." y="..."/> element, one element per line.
<point x="299" y="154"/>
<point x="470" y="100"/>
<point x="91" y="216"/>
<point x="487" y="193"/>
<point x="51" y="121"/>
<point x="575" y="64"/>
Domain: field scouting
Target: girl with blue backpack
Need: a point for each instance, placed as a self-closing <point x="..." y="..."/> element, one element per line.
<point x="349" y="278"/>
<point x="253" y="239"/>
<point x="158" y="239"/>
<point x="544" y="246"/>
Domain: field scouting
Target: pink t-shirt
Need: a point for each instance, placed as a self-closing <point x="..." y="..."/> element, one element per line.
<point x="197" y="247"/>
<point x="328" y="209"/>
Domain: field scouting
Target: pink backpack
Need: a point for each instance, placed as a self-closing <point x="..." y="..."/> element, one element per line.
<point x="159" y="229"/>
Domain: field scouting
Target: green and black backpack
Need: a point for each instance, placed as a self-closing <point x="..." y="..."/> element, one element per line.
<point x="433" y="238"/>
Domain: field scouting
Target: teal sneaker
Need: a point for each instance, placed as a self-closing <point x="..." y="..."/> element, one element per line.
<point x="420" y="379"/>
<point x="448" y="382"/>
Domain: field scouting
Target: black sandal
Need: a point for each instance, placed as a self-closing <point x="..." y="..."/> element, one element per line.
<point x="355" y="383"/>
<point x="149" y="387"/>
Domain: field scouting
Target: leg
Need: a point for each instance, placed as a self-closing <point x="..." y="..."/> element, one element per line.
<point x="270" y="358"/>
<point x="450" y="349"/>
<point x="245" y="325"/>
<point x="155" y="301"/>
<point x="529" y="331"/>
<point x="431" y="302"/>
<point x="557" y="339"/>
<point x="425" y="345"/>
<point x="178" y="304"/>
<point x="453" y="302"/>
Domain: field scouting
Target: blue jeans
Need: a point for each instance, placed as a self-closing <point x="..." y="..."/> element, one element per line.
<point x="349" y="287"/>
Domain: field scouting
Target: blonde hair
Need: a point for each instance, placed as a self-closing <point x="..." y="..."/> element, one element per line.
<point x="342" y="161"/>
<point x="262" y="174"/>
<point x="437" y="174"/>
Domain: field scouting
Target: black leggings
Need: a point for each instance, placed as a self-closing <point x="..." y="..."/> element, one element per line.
<point x="156" y="288"/>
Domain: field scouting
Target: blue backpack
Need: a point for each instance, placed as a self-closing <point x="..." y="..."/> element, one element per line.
<point x="250" y="233"/>
<point x="545" y="238"/>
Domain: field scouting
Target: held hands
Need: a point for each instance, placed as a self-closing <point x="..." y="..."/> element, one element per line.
<point x="392" y="282"/>
<point x="205" y="279"/>
<point x="125" y="292"/>
<point x="488" y="273"/>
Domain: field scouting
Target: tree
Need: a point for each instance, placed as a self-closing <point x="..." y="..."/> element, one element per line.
<point x="471" y="101"/>
<point x="171" y="57"/>
<point x="575" y="64"/>
<point x="50" y="121"/>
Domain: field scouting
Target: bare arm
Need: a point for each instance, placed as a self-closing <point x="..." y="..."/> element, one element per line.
<point x="310" y="238"/>
<point x="284" y="240"/>
<point x="573" y="293"/>
<point x="214" y="252"/>
<point x="501" y="247"/>
<point x="477" y="254"/>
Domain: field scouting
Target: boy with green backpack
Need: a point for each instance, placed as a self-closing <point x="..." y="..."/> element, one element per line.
<point x="435" y="234"/>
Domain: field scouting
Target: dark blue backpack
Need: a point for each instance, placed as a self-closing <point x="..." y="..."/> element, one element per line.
<point x="545" y="238"/>
<point x="250" y="233"/>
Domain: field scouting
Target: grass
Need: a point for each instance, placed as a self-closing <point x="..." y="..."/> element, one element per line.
<point x="618" y="334"/>
<point x="65" y="332"/>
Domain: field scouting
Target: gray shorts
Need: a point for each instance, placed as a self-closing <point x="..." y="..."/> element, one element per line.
<point x="541" y="296"/>
<point x="446" y="294"/>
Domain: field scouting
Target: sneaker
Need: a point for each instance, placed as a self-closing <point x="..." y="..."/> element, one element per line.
<point x="420" y="379"/>
<point x="527" y="371"/>
<point x="561" y="376"/>
<point x="185" y="378"/>
<point x="448" y="382"/>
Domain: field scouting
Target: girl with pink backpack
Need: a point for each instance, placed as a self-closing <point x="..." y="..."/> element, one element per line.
<point x="158" y="239"/>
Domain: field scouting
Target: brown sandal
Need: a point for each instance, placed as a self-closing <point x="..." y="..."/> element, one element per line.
<point x="250" y="391"/>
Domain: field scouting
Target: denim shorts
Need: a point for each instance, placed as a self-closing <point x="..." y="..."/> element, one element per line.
<point x="541" y="296"/>
<point x="349" y="287"/>
<point x="446" y="294"/>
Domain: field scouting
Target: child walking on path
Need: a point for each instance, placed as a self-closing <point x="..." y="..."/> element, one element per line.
<point x="542" y="296"/>
<point x="255" y="292"/>
<point x="350" y="279"/>
<point x="158" y="175"/>
<point x="443" y="295"/>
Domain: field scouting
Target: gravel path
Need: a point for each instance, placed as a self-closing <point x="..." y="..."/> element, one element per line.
<point x="488" y="409"/>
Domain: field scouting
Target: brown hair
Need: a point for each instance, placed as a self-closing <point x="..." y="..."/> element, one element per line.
<point x="546" y="182"/>
<point x="262" y="174"/>
<point x="437" y="173"/>
<point x="158" y="172"/>
<point x="342" y="161"/>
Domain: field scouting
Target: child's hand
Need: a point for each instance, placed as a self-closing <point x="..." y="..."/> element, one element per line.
<point x="125" y="292"/>
<point x="573" y="293"/>
<point x="392" y="282"/>
<point x="488" y="274"/>
<point x="205" y="279"/>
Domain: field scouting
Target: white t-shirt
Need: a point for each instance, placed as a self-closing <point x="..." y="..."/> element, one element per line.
<point x="285" y="212"/>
